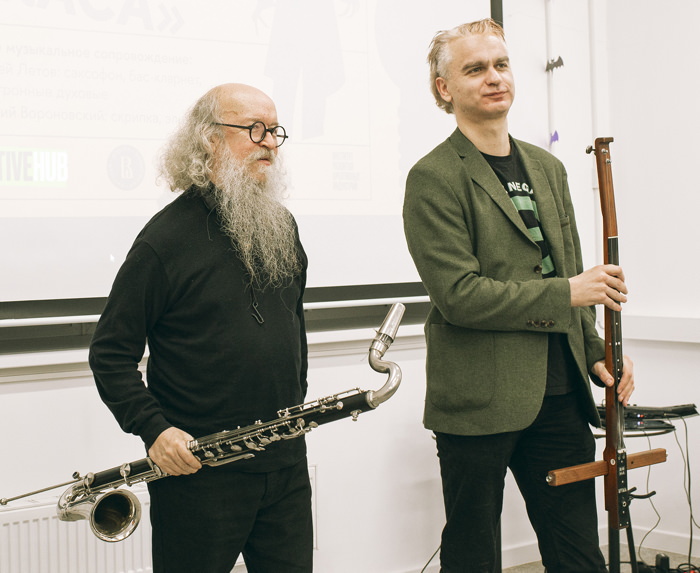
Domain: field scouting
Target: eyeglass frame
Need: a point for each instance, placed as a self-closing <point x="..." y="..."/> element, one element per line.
<point x="270" y="130"/>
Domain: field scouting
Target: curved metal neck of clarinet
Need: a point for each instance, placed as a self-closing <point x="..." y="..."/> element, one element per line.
<point x="384" y="338"/>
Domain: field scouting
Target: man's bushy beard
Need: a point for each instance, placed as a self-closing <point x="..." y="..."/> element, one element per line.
<point x="261" y="229"/>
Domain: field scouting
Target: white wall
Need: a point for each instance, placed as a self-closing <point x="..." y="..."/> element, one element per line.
<point x="655" y="120"/>
<point x="377" y="481"/>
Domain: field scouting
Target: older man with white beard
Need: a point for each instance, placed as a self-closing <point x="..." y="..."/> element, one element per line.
<point x="215" y="283"/>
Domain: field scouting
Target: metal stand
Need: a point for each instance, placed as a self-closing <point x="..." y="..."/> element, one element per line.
<point x="614" y="538"/>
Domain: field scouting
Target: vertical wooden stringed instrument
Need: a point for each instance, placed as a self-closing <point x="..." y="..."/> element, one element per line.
<point x="615" y="461"/>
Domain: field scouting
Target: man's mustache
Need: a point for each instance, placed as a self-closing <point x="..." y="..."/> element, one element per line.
<point x="262" y="154"/>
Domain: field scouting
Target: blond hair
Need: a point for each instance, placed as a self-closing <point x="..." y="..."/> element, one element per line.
<point x="440" y="56"/>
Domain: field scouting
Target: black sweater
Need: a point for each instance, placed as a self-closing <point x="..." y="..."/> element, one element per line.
<point x="212" y="365"/>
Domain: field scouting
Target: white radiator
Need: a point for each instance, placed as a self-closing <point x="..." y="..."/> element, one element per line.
<point x="33" y="540"/>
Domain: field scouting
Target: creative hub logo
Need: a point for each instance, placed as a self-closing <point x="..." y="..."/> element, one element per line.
<point x="33" y="167"/>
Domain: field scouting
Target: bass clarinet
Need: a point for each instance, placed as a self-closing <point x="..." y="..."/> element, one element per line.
<point x="114" y="512"/>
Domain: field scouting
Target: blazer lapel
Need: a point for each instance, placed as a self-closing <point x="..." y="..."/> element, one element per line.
<point x="484" y="177"/>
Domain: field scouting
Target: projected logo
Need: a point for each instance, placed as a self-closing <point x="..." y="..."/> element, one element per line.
<point x="126" y="167"/>
<point x="33" y="167"/>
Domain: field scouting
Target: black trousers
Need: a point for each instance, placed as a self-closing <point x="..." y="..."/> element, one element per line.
<point x="473" y="470"/>
<point x="203" y="522"/>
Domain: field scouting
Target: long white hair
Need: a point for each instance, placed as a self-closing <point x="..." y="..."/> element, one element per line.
<point x="188" y="157"/>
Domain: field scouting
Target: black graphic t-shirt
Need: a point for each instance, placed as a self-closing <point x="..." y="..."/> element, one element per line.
<point x="514" y="179"/>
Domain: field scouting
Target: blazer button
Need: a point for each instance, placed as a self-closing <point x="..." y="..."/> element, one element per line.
<point x="538" y="269"/>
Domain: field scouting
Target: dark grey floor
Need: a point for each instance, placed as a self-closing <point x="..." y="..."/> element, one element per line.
<point x="648" y="556"/>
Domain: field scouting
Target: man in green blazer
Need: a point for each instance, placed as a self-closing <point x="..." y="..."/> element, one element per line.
<point x="511" y="337"/>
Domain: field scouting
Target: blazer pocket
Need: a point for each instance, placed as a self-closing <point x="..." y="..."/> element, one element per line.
<point x="461" y="368"/>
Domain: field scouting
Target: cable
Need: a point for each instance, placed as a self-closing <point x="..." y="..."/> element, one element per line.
<point x="688" y="567"/>
<point x="651" y="501"/>
<point x="687" y="482"/>
<point x="431" y="558"/>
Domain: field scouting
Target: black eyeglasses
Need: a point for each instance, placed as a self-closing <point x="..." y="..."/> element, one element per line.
<point x="258" y="131"/>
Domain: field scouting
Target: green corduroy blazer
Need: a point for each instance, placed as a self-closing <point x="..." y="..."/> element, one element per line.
<point x="491" y="310"/>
